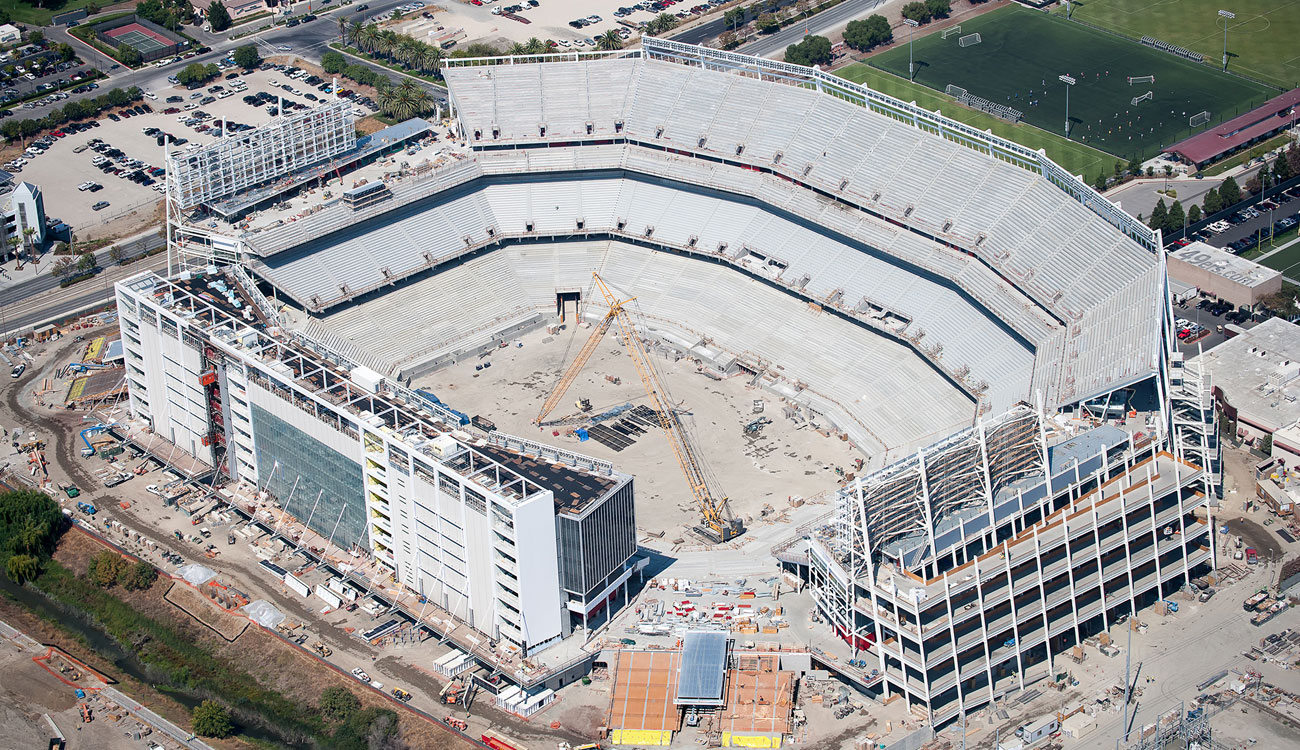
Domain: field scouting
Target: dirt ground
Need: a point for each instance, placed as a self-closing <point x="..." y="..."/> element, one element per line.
<point x="784" y="461"/>
<point x="273" y="662"/>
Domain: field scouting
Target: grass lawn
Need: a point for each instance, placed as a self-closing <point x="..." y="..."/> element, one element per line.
<point x="1245" y="156"/>
<point x="25" y="12"/>
<point x="1261" y="39"/>
<point x="1023" y="52"/>
<point x="1286" y="261"/>
<point x="1075" y="157"/>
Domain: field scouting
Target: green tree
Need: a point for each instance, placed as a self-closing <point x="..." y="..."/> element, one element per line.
<point x="22" y="568"/>
<point x="1175" y="218"/>
<point x="813" y="50"/>
<point x="333" y="62"/>
<point x="86" y="263"/>
<point x="1193" y="214"/>
<point x="766" y="23"/>
<point x="62" y="268"/>
<point x="105" y="568"/>
<point x="1254" y="184"/>
<point x="339" y="703"/>
<point x="1229" y="193"/>
<point x="662" y="23"/>
<point x="1158" y="215"/>
<point x="1213" y="203"/>
<point x="247" y="58"/>
<point x="1099" y="184"/>
<point x="116" y="254"/>
<point x="1135" y="166"/>
<point x="938" y="8"/>
<point x="734" y="17"/>
<point x="66" y="52"/>
<point x="211" y="719"/>
<point x="866" y="34"/>
<point x="35" y="37"/>
<point x="609" y="41"/>
<point x="218" y="16"/>
<point x="916" y="11"/>
<point x="128" y="55"/>
<point x="137" y="577"/>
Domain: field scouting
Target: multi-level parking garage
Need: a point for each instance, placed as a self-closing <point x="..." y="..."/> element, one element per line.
<point x="986" y="328"/>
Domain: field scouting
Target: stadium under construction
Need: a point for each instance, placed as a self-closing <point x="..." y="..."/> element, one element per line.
<point x="990" y="334"/>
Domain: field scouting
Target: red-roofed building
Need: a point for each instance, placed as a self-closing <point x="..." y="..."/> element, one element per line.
<point x="1271" y="118"/>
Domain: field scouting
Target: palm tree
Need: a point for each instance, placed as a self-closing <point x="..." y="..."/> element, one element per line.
<point x="343" y="29"/>
<point x="517" y="49"/>
<point x="609" y="41"/>
<point x="368" y="38"/>
<point x="28" y="233"/>
<point x="536" y="46"/>
<point x="387" y="100"/>
<point x="354" y="32"/>
<point x="14" y="242"/>
<point x="430" y="59"/>
<point x="406" y="50"/>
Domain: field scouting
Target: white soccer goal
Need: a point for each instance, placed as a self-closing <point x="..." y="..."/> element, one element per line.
<point x="950" y="31"/>
<point x="954" y="90"/>
<point x="969" y="40"/>
<point x="1141" y="79"/>
<point x="1200" y="118"/>
<point x="1145" y="97"/>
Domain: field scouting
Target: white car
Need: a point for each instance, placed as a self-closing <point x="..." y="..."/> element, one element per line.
<point x="153" y="489"/>
<point x="360" y="675"/>
<point x="151" y="95"/>
<point x="85" y="186"/>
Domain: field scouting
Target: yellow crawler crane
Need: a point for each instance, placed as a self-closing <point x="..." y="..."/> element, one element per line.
<point x="719" y="524"/>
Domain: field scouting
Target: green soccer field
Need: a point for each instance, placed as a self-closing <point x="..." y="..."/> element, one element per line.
<point x="1262" y="40"/>
<point x="1022" y="53"/>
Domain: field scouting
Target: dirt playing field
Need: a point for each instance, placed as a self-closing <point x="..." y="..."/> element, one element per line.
<point x="782" y="461"/>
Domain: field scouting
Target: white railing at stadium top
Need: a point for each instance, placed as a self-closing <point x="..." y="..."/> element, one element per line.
<point x="572" y="56"/>
<point x="1035" y="161"/>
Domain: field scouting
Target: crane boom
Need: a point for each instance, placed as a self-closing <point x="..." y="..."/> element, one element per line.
<point x="714" y="510"/>
<point x="584" y="354"/>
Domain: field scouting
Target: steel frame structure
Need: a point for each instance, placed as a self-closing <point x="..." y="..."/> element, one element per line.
<point x="245" y="160"/>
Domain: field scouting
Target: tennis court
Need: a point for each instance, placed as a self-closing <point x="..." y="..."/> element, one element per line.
<point x="137" y="36"/>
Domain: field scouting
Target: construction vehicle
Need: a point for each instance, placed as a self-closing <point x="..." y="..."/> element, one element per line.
<point x="719" y="525"/>
<point x="323" y="650"/>
<point x="70" y="490"/>
<point x="401" y="695"/>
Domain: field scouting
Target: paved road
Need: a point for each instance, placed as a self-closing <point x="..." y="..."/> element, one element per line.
<point x="714" y="28"/>
<point x="826" y="21"/>
<point x="13" y="293"/>
<point x="309" y="40"/>
<point x="31" y="311"/>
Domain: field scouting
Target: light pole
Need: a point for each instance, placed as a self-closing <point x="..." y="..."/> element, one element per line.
<point x="911" y="74"/>
<point x="1068" y="81"/>
<point x="1227" y="16"/>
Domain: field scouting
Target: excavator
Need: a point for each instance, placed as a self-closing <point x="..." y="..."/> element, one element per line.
<point x="718" y="523"/>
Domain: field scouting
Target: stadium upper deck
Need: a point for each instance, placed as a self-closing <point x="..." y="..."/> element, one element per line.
<point x="972" y="250"/>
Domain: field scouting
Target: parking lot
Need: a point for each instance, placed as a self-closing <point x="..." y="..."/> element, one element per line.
<point x="569" y="25"/>
<point x="123" y="155"/>
<point x="1241" y="231"/>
